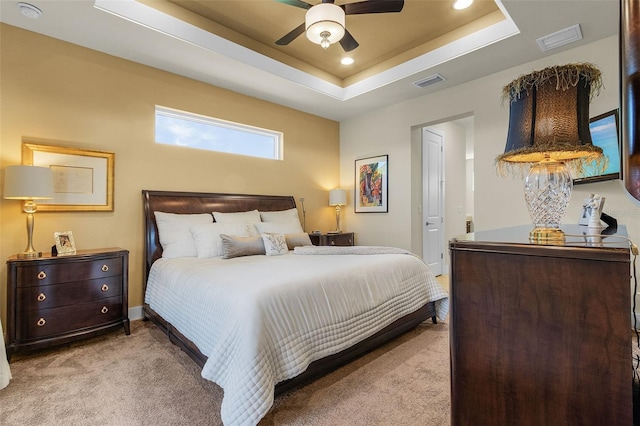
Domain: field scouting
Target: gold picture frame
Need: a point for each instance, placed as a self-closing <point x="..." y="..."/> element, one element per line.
<point x="64" y="242"/>
<point x="83" y="179"/>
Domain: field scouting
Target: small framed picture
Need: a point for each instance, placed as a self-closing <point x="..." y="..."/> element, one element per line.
<point x="64" y="242"/>
<point x="371" y="185"/>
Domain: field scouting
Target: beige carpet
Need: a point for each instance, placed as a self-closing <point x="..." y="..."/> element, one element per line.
<point x="143" y="379"/>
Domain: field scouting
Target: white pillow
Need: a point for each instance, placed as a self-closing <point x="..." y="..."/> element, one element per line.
<point x="174" y="233"/>
<point x="274" y="244"/>
<point x="279" y="227"/>
<point x="252" y="216"/>
<point x="280" y="216"/>
<point x="206" y="236"/>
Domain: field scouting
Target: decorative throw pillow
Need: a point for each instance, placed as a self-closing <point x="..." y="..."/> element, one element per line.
<point x="252" y="216"/>
<point x="297" y="240"/>
<point x="274" y="244"/>
<point x="207" y="236"/>
<point x="233" y="246"/>
<point x="175" y="235"/>
<point x="278" y="227"/>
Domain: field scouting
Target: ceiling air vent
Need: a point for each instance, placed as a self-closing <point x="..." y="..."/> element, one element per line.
<point x="560" y="38"/>
<point x="433" y="79"/>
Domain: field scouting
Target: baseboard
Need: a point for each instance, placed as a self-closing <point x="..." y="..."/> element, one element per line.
<point x="135" y="313"/>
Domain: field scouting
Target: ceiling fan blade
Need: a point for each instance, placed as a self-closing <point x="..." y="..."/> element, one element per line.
<point x="373" y="6"/>
<point x="347" y="42"/>
<point x="296" y="3"/>
<point x="291" y="35"/>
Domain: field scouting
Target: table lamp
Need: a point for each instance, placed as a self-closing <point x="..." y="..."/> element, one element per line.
<point x="337" y="197"/>
<point x="549" y="133"/>
<point x="28" y="183"/>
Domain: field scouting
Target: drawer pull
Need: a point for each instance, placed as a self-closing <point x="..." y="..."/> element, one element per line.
<point x="41" y="322"/>
<point x="105" y="268"/>
<point x="42" y="275"/>
<point x="104" y="310"/>
<point x="104" y="287"/>
<point x="41" y="297"/>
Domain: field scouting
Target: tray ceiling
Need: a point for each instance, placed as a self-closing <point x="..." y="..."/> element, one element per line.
<point x="386" y="39"/>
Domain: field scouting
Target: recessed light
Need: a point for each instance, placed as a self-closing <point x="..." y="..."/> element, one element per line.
<point x="347" y="61"/>
<point x="462" y="4"/>
<point x="29" y="10"/>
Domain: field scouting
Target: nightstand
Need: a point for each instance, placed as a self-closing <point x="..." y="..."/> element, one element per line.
<point x="54" y="300"/>
<point x="344" y="239"/>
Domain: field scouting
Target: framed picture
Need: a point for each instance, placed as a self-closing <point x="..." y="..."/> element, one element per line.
<point x="64" y="242"/>
<point x="372" y="193"/>
<point x="82" y="179"/>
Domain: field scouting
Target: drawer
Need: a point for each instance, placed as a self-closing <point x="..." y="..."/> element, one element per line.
<point x="61" y="272"/>
<point x="54" y="321"/>
<point x="339" y="240"/>
<point x="52" y="296"/>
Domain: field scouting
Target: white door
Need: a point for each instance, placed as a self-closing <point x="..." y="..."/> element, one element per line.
<point x="432" y="192"/>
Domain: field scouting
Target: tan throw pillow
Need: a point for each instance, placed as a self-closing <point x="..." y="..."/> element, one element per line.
<point x="235" y="246"/>
<point x="297" y="240"/>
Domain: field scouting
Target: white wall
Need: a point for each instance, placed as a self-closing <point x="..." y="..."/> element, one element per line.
<point x="498" y="202"/>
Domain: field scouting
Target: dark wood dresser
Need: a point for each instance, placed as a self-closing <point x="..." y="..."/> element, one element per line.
<point x="540" y="335"/>
<point x="58" y="299"/>
<point x="343" y="239"/>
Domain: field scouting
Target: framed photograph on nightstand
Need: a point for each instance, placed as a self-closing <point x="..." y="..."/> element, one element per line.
<point x="372" y="185"/>
<point x="64" y="242"/>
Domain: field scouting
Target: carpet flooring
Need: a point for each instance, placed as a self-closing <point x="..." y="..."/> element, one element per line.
<point x="143" y="379"/>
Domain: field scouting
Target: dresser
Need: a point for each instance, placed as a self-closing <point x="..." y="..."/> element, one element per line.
<point x="343" y="239"/>
<point x="540" y="335"/>
<point x="59" y="299"/>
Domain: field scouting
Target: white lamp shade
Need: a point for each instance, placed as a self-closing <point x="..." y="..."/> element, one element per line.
<point x="325" y="17"/>
<point x="28" y="183"/>
<point x="337" y="197"/>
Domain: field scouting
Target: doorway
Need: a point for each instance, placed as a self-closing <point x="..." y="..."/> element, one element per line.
<point x="455" y="168"/>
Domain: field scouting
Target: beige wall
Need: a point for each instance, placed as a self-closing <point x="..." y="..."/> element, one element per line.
<point x="59" y="93"/>
<point x="498" y="202"/>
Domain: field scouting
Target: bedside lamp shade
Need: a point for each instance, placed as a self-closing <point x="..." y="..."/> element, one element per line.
<point x="28" y="183"/>
<point x="337" y="197"/>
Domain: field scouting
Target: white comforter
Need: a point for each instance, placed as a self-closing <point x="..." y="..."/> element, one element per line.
<point x="263" y="319"/>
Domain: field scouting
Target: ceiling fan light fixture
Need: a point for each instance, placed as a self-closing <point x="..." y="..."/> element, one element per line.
<point x="462" y="4"/>
<point x="324" y="24"/>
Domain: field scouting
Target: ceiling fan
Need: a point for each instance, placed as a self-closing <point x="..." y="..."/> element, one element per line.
<point x="325" y="22"/>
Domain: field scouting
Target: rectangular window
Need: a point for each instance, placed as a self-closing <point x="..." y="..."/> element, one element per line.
<point x="174" y="127"/>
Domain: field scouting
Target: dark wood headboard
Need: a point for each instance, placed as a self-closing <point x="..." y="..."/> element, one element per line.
<point x="198" y="202"/>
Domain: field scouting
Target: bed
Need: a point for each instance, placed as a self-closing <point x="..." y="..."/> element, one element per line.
<point x="291" y="343"/>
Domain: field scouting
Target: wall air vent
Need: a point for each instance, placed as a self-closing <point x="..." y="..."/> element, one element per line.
<point x="560" y="38"/>
<point x="433" y="79"/>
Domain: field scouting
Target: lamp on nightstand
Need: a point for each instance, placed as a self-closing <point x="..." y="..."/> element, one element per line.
<point x="337" y="197"/>
<point x="28" y="183"/>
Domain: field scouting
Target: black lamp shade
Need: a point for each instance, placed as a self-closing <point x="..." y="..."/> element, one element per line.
<point x="549" y="116"/>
